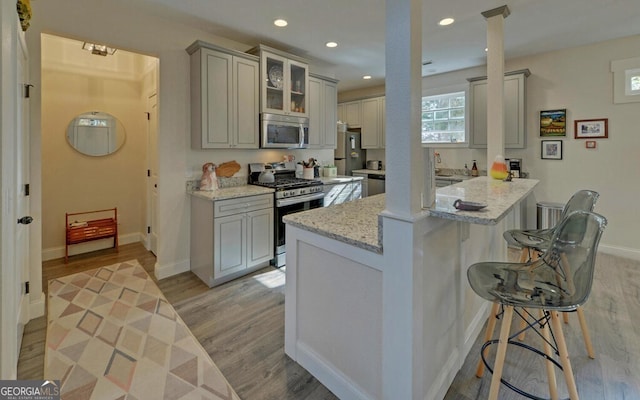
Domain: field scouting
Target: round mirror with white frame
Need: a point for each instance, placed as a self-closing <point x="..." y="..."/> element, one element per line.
<point x="96" y="133"/>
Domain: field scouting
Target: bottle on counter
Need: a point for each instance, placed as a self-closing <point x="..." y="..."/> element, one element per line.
<point x="466" y="170"/>
<point x="474" y="169"/>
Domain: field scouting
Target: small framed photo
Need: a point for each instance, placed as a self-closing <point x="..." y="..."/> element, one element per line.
<point x="590" y="144"/>
<point x="551" y="150"/>
<point x="553" y="122"/>
<point x="591" y="128"/>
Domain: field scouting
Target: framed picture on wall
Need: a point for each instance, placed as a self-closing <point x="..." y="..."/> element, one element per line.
<point x="551" y="150"/>
<point x="591" y="128"/>
<point x="553" y="122"/>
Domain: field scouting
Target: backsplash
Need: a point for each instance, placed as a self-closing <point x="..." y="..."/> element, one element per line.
<point x="222" y="183"/>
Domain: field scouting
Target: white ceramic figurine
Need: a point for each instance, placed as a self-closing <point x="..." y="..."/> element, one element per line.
<point x="209" y="181"/>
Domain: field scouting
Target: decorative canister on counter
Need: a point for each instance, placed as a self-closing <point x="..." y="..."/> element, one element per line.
<point x="330" y="171"/>
<point x="308" y="173"/>
<point x="499" y="168"/>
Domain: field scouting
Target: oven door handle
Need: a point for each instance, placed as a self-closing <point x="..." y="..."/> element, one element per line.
<point x="299" y="199"/>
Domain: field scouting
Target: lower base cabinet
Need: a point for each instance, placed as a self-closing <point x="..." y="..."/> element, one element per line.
<point x="231" y="238"/>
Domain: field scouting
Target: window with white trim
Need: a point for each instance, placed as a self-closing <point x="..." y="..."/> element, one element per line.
<point x="443" y="118"/>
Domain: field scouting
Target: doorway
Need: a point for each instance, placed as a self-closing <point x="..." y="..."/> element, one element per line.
<point x="77" y="82"/>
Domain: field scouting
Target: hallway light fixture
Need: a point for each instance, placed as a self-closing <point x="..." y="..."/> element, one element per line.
<point x="98" y="49"/>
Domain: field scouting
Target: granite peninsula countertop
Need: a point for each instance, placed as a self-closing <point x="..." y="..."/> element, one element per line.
<point x="354" y="222"/>
<point x="499" y="196"/>
<point x="357" y="222"/>
<point x="231" y="192"/>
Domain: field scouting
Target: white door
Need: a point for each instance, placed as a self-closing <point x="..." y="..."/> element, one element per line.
<point x="152" y="181"/>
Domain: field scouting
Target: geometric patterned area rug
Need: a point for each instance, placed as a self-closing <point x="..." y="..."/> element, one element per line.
<point x="111" y="334"/>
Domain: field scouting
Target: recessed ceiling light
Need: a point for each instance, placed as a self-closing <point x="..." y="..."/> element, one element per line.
<point x="366" y="77"/>
<point x="331" y="44"/>
<point x="446" y="21"/>
<point x="486" y="49"/>
<point x="280" y="22"/>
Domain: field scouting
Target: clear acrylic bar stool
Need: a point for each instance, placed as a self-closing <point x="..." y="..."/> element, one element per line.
<point x="559" y="281"/>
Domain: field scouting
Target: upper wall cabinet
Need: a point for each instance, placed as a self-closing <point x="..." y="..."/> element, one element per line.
<point x="514" y="110"/>
<point x="351" y="113"/>
<point x="284" y="82"/>
<point x="373" y="123"/>
<point x="224" y="98"/>
<point x="323" y="102"/>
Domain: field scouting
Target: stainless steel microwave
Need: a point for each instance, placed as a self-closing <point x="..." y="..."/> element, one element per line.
<point x="283" y="132"/>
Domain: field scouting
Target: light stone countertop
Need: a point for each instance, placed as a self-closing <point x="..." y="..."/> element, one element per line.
<point x="328" y="180"/>
<point x="354" y="222"/>
<point x="357" y="222"/>
<point x="370" y="171"/>
<point x="231" y="192"/>
<point x="499" y="196"/>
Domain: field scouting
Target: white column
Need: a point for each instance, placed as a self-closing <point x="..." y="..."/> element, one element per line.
<point x="402" y="365"/>
<point x="495" y="81"/>
<point x="403" y="91"/>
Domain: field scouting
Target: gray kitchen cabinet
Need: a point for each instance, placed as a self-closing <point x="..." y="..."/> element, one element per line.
<point x="323" y="102"/>
<point x="224" y="98"/>
<point x="284" y="87"/>
<point x="231" y="238"/>
<point x="351" y="113"/>
<point x="514" y="110"/>
<point x="373" y="123"/>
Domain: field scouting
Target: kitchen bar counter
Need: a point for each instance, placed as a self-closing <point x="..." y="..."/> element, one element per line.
<point x="349" y="289"/>
<point x="499" y="196"/>
<point x="231" y="192"/>
<point x="357" y="222"/>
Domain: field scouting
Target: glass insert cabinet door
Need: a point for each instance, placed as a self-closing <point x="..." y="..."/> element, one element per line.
<point x="285" y="82"/>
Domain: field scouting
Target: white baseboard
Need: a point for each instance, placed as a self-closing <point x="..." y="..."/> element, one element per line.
<point x="165" y="271"/>
<point x="624" y="252"/>
<point x="343" y="387"/>
<point x="443" y="381"/>
<point x="36" y="306"/>
<point x="58" y="252"/>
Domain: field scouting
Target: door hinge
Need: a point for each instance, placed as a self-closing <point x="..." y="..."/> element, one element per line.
<point x="148" y="172"/>
<point x="148" y="116"/>
<point x="27" y="91"/>
<point x="148" y="229"/>
<point x="26" y="287"/>
<point x="26" y="189"/>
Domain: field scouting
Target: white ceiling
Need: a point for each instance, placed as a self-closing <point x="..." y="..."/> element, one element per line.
<point x="358" y="26"/>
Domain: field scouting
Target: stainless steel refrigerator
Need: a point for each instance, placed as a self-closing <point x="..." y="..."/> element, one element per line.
<point x="349" y="155"/>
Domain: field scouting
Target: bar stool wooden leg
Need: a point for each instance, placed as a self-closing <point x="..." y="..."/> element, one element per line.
<point x="585" y="333"/>
<point x="501" y="352"/>
<point x="551" y="372"/>
<point x="564" y="356"/>
<point x="565" y="317"/>
<point x="491" y="325"/>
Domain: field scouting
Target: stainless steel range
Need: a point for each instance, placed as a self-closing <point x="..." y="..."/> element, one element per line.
<point x="291" y="195"/>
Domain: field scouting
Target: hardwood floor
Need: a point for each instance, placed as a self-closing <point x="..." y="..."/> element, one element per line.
<point x="611" y="312"/>
<point x="241" y="325"/>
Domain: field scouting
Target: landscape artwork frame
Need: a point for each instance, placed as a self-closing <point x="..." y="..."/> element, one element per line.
<point x="553" y="122"/>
